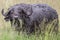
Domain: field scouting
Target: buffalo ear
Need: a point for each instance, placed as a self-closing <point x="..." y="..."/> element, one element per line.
<point x="27" y="12"/>
<point x="23" y="12"/>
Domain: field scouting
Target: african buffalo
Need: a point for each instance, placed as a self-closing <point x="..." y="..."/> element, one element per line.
<point x="31" y="15"/>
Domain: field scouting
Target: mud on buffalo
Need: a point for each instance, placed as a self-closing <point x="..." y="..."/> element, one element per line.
<point x="28" y="17"/>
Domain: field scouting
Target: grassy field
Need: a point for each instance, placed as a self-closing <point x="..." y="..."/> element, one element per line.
<point x="6" y="33"/>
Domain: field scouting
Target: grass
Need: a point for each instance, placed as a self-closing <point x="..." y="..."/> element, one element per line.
<point x="6" y="33"/>
<point x="10" y="35"/>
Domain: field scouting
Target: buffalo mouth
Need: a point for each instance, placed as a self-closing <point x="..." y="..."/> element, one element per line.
<point x="6" y="19"/>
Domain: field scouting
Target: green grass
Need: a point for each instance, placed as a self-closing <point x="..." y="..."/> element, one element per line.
<point x="11" y="35"/>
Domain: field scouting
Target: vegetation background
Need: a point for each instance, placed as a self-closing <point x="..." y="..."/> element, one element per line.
<point x="5" y="26"/>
